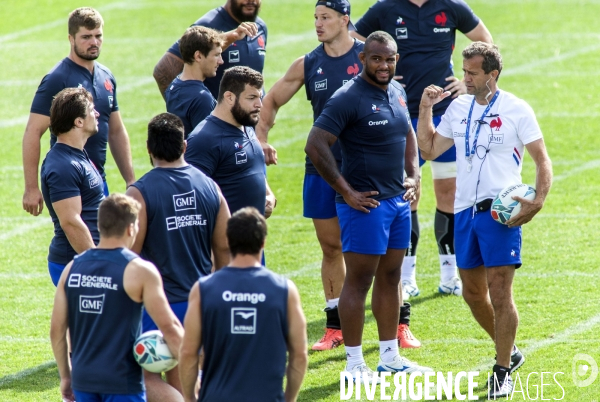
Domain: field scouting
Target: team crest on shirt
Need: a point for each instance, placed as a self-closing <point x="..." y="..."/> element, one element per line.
<point x="320" y="71"/>
<point x="402" y="33"/>
<point x="496" y="123"/>
<point x="375" y="108"/>
<point x="108" y="85"/>
<point x="261" y="41"/>
<point x="237" y="145"/>
<point x="400" y="21"/>
<point x="401" y="100"/>
<point x="234" y="56"/>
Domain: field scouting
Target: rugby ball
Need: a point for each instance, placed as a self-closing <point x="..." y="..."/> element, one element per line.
<point x="504" y="207"/>
<point x="152" y="353"/>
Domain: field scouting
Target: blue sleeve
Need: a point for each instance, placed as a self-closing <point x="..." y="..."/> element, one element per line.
<point x="200" y="107"/>
<point x="115" y="107"/>
<point x="65" y="184"/>
<point x="174" y="49"/>
<point x="370" y="21"/>
<point x="466" y="20"/>
<point x="336" y="115"/>
<point x="49" y="87"/>
<point x="203" y="153"/>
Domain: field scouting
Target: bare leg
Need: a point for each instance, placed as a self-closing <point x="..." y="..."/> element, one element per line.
<point x="158" y="390"/>
<point x="333" y="269"/>
<point x="385" y="300"/>
<point x="476" y="294"/>
<point x="444" y="190"/>
<point x="360" y="270"/>
<point x="500" y="281"/>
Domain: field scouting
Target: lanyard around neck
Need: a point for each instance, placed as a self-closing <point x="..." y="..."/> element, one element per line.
<point x="469" y="152"/>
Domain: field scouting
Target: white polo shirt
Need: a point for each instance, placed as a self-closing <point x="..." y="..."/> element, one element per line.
<point x="498" y="160"/>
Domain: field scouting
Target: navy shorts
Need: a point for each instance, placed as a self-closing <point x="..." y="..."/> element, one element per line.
<point x="55" y="271"/>
<point x="448" y="156"/>
<point x="387" y="226"/>
<point x="178" y="308"/>
<point x="319" y="198"/>
<point x="93" y="397"/>
<point x="480" y="240"/>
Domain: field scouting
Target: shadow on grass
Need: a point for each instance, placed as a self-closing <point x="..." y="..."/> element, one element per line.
<point x="320" y="392"/>
<point x="34" y="379"/>
<point x="415" y="301"/>
<point x="333" y="358"/>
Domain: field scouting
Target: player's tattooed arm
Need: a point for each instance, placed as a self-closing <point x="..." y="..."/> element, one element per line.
<point x="165" y="71"/>
<point x="318" y="149"/>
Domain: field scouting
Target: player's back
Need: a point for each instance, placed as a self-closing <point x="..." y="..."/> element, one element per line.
<point x="181" y="209"/>
<point x="244" y="333"/>
<point x="103" y="322"/>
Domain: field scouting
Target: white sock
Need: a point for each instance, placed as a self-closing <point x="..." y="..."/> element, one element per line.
<point x="447" y="267"/>
<point x="409" y="266"/>
<point x="388" y="350"/>
<point x="354" y="356"/>
<point x="333" y="303"/>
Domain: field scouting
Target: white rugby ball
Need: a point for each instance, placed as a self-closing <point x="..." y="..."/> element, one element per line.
<point x="152" y="353"/>
<point x="504" y="207"/>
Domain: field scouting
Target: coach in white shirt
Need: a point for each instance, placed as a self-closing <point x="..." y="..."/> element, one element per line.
<point x="490" y="129"/>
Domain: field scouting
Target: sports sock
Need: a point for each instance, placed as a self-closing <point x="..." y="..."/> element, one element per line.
<point x="333" y="303"/>
<point x="447" y="267"/>
<point x="409" y="267"/>
<point x="333" y="318"/>
<point x="388" y="350"/>
<point x="404" y="314"/>
<point x="444" y="236"/>
<point x="354" y="356"/>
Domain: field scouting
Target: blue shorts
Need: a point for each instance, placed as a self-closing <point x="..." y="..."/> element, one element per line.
<point x="387" y="226"/>
<point x="92" y="397"/>
<point x="55" y="271"/>
<point x="480" y="240"/>
<point x="178" y="308"/>
<point x="106" y="193"/>
<point x="318" y="197"/>
<point x="448" y="156"/>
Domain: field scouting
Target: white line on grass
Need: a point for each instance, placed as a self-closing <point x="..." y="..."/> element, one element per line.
<point x="591" y="165"/>
<point x="24" y="229"/>
<point x="6" y="380"/>
<point x="535" y="65"/>
<point x="563" y="336"/>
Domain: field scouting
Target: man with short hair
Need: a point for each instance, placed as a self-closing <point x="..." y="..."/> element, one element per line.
<point x="491" y="129"/>
<point x="425" y="33"/>
<point x="244" y="36"/>
<point x="99" y="301"/>
<point x="183" y="218"/>
<point x="241" y="315"/>
<point x="224" y="146"/>
<point x="79" y="69"/>
<point x="370" y="119"/>
<point x="71" y="184"/>
<point x="187" y="96"/>
<point x="322" y="72"/>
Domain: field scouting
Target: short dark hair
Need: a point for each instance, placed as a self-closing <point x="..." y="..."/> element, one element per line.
<point x="380" y="37"/>
<point x="116" y="213"/>
<point x="235" y="79"/>
<point x="165" y="137"/>
<point x="492" y="60"/>
<point x="246" y="231"/>
<point x="68" y="105"/>
<point x="85" y="17"/>
<point x="197" y="38"/>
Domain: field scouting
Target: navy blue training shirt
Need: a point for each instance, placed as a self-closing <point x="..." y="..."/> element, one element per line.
<point x="244" y="321"/>
<point x="244" y="52"/>
<point x="191" y="101"/>
<point x="425" y="36"/>
<point x="182" y="205"/>
<point x="103" y="87"/>
<point x="371" y="125"/>
<point x="103" y="323"/>
<point x="323" y="75"/>
<point x="68" y="172"/>
<point x="231" y="157"/>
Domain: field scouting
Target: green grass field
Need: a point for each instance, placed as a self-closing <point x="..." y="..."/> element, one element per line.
<point x="551" y="52"/>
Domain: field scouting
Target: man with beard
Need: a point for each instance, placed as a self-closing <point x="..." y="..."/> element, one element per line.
<point x="187" y="96"/>
<point x="79" y="69"/>
<point x="369" y="117"/>
<point x="71" y="184"/>
<point x="225" y="147"/>
<point x="322" y="72"/>
<point x="244" y="36"/>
